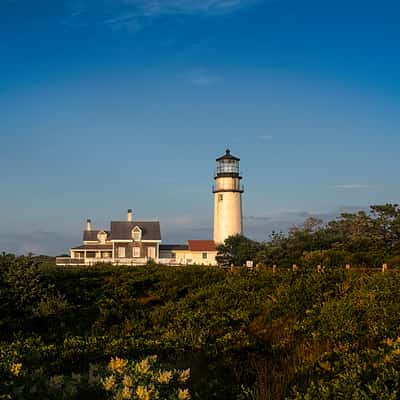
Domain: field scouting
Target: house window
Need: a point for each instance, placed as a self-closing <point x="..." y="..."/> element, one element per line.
<point x="151" y="252"/>
<point x="121" y="252"/>
<point x="173" y="255"/>
<point x="204" y="256"/>
<point x="136" y="252"/>
<point x="137" y="234"/>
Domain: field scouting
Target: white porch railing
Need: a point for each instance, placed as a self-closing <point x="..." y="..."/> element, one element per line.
<point x="168" y="261"/>
<point x="70" y="261"/>
<point x="93" y="261"/>
<point x="63" y="261"/>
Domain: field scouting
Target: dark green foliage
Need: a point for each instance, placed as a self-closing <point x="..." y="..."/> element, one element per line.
<point x="244" y="334"/>
<point x="360" y="239"/>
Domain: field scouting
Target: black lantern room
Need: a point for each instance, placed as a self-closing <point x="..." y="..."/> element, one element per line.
<point x="228" y="165"/>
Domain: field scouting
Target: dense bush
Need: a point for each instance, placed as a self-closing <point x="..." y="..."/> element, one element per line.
<point x="243" y="334"/>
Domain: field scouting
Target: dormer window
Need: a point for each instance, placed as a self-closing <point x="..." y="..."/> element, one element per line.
<point x="102" y="237"/>
<point x="136" y="234"/>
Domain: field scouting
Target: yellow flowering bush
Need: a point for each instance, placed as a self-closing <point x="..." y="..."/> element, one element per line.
<point x="143" y="393"/>
<point x="120" y="379"/>
<point x="118" y="365"/>
<point x="184" y="376"/>
<point x="144" y="380"/>
<point x="165" y="377"/>
<point x="183" y="394"/>
<point x="109" y="383"/>
<point x="15" y="369"/>
<point x="143" y="367"/>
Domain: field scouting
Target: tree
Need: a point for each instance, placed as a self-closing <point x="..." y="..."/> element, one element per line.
<point x="237" y="250"/>
<point x="387" y="225"/>
<point x="354" y="232"/>
<point x="311" y="224"/>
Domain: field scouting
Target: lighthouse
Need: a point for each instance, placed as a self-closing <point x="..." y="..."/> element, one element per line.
<point x="227" y="198"/>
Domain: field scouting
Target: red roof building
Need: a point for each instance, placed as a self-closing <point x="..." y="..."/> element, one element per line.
<point x="202" y="245"/>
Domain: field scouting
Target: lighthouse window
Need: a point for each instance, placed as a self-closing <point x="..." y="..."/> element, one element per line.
<point x="220" y="197"/>
<point x="228" y="167"/>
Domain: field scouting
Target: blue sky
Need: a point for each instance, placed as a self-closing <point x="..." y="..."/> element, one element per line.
<point x="113" y="104"/>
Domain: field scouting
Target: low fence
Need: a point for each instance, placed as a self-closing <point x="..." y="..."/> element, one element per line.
<point x="319" y="268"/>
<point x="65" y="261"/>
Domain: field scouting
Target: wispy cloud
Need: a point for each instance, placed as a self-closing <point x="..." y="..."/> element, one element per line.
<point x="157" y="7"/>
<point x="201" y="77"/>
<point x="351" y="186"/>
<point x="178" y="222"/>
<point x="265" y="137"/>
<point x="134" y="14"/>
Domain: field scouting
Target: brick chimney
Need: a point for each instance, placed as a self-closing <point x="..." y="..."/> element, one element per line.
<point x="88" y="225"/>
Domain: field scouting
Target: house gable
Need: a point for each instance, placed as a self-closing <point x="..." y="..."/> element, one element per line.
<point x="136" y="234"/>
<point x="122" y="230"/>
<point x="92" y="236"/>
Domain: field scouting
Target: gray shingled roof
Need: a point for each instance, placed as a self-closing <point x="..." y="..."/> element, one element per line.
<point x="122" y="230"/>
<point x="91" y="236"/>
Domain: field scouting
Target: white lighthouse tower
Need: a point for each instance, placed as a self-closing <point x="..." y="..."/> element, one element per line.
<point x="227" y="198"/>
